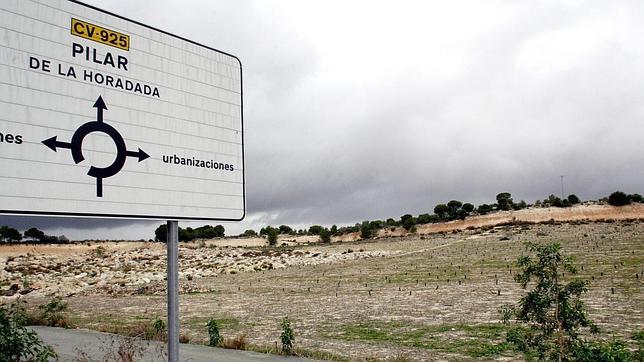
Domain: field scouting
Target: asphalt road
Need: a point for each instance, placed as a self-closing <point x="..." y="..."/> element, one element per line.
<point x="72" y="344"/>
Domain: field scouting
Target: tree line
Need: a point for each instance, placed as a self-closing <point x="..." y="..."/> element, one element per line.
<point x="31" y="236"/>
<point x="452" y="210"/>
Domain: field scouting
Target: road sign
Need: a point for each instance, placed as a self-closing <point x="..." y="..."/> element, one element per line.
<point x="104" y="116"/>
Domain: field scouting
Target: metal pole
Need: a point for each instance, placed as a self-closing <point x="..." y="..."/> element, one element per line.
<point x="173" y="290"/>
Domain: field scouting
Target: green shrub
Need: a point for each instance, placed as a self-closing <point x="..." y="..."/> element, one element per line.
<point x="17" y="343"/>
<point x="365" y="230"/>
<point x="287" y="336"/>
<point x="213" y="333"/>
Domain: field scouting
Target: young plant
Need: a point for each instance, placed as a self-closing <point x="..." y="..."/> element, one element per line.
<point x="213" y="332"/>
<point x="552" y="310"/>
<point x="287" y="336"/>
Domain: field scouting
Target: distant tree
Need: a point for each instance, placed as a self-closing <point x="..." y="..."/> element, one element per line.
<point x="573" y="199"/>
<point x="423" y="219"/>
<point x="186" y="234"/>
<point x="453" y="206"/>
<point x="537" y="203"/>
<point x="10" y="234"/>
<point x="409" y="223"/>
<point x="220" y="231"/>
<point x="285" y="229"/>
<point x="250" y="233"/>
<point x="315" y="230"/>
<point x="365" y="230"/>
<point x="504" y="201"/>
<point x="442" y="211"/>
<point x="618" y="198"/>
<point x="271" y="235"/>
<point x="553" y="200"/>
<point x="636" y="198"/>
<point x="461" y="214"/>
<point x="392" y="222"/>
<point x="520" y="205"/>
<point x="484" y="209"/>
<point x="325" y="235"/>
<point x="334" y="230"/>
<point x="376" y="224"/>
<point x="468" y="207"/>
<point x="35" y="234"/>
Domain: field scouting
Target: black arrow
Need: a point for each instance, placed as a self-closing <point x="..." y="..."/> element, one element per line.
<point x="53" y="143"/>
<point x="140" y="154"/>
<point x="100" y="106"/>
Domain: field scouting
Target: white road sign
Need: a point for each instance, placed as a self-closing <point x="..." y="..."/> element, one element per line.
<point x="104" y="116"/>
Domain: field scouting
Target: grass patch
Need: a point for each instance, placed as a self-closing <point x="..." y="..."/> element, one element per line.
<point x="483" y="340"/>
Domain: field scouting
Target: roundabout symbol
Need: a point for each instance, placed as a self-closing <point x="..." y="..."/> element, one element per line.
<point x="97" y="126"/>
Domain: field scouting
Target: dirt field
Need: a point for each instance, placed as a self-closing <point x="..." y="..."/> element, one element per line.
<point x="421" y="297"/>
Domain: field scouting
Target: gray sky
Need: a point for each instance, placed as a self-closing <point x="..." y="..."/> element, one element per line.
<point x="358" y="110"/>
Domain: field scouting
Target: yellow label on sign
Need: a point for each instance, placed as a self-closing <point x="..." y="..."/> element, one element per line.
<point x="100" y="34"/>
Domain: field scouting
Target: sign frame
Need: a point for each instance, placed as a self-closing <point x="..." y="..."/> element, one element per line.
<point x="156" y="217"/>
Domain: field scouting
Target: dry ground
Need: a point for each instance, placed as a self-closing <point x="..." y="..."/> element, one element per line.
<point x="423" y="297"/>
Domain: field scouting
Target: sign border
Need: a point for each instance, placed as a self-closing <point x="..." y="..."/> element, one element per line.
<point x="148" y="217"/>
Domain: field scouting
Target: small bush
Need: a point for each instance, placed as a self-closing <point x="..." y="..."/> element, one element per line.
<point x="17" y="343"/>
<point x="287" y="336"/>
<point x="213" y="333"/>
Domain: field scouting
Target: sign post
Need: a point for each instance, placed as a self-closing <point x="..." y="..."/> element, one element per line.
<point x="173" y="290"/>
<point x="105" y="117"/>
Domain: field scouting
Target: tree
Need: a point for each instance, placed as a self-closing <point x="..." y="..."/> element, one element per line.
<point x="573" y="199"/>
<point x="552" y="310"/>
<point x="441" y="210"/>
<point x="424" y="219"/>
<point x="10" y="234"/>
<point x="484" y="209"/>
<point x="392" y="222"/>
<point x="271" y="235"/>
<point x="35" y="234"/>
<point x="219" y="231"/>
<point x="468" y="207"/>
<point x="250" y="233"/>
<point x="618" y="198"/>
<point x="408" y="223"/>
<point x="334" y="230"/>
<point x="285" y="229"/>
<point x="520" y="205"/>
<point x="325" y="235"/>
<point x="504" y="201"/>
<point x="315" y="229"/>
<point x="452" y="208"/>
<point x="635" y="198"/>
<point x="365" y="230"/>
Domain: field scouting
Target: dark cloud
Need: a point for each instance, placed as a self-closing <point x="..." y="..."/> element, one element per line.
<point x="353" y="115"/>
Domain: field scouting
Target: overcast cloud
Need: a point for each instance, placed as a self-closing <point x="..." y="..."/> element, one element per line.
<point x="358" y="110"/>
